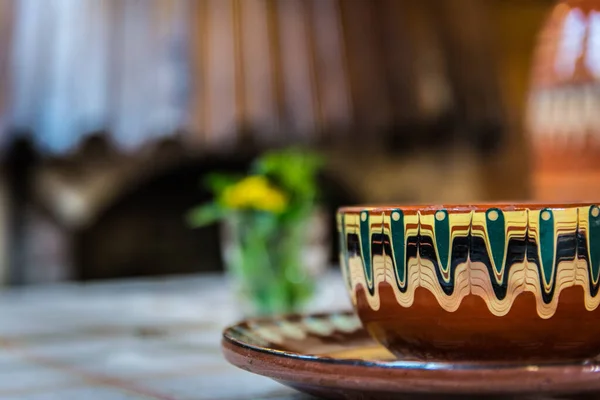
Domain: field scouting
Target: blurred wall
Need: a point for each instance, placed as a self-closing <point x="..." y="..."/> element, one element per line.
<point x="412" y="101"/>
<point x="516" y="25"/>
<point x="277" y="71"/>
<point x="563" y="105"/>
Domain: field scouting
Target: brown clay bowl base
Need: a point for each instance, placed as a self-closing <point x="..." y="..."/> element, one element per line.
<point x="333" y="357"/>
<point x="456" y="336"/>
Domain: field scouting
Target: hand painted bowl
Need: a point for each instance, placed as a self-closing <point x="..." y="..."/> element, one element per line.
<point x="476" y="282"/>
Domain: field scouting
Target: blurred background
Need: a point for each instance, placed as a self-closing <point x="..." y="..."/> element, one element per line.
<point x="111" y="111"/>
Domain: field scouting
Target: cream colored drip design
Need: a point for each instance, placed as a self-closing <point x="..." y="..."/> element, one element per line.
<point x="565" y="222"/>
<point x="250" y="336"/>
<point x="267" y="332"/>
<point x="291" y="330"/>
<point x="278" y="331"/>
<point x="480" y="283"/>
<point x="411" y="228"/>
<point x="461" y="223"/>
<point x="474" y="277"/>
<point x="345" y="323"/>
<point x="481" y="286"/>
<point x="582" y="277"/>
<point x="342" y="252"/>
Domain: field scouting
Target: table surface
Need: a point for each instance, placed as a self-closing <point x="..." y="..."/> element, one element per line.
<point x="138" y="339"/>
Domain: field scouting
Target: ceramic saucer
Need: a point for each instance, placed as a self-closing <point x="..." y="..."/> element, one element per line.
<point x="332" y="356"/>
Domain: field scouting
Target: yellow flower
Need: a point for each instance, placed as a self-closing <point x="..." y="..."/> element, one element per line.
<point x="255" y="192"/>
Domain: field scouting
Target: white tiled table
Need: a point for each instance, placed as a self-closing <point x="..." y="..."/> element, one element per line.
<point x="150" y="339"/>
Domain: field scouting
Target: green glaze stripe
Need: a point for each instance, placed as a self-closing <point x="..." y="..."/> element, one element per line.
<point x="496" y="230"/>
<point x="442" y="238"/>
<point x="344" y="249"/>
<point x="398" y="244"/>
<point x="594" y="242"/>
<point x="546" y="243"/>
<point x="365" y="245"/>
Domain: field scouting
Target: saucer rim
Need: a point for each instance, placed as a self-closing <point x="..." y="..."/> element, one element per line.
<point x="297" y="370"/>
<point x="414" y="364"/>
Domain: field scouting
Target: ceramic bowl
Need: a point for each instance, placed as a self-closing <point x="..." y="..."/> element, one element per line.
<point x="476" y="282"/>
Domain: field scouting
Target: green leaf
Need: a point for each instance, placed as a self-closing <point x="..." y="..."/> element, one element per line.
<point x="293" y="169"/>
<point x="218" y="182"/>
<point x="206" y="214"/>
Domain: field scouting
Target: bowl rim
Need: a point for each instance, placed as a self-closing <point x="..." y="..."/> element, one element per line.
<point x="464" y="207"/>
